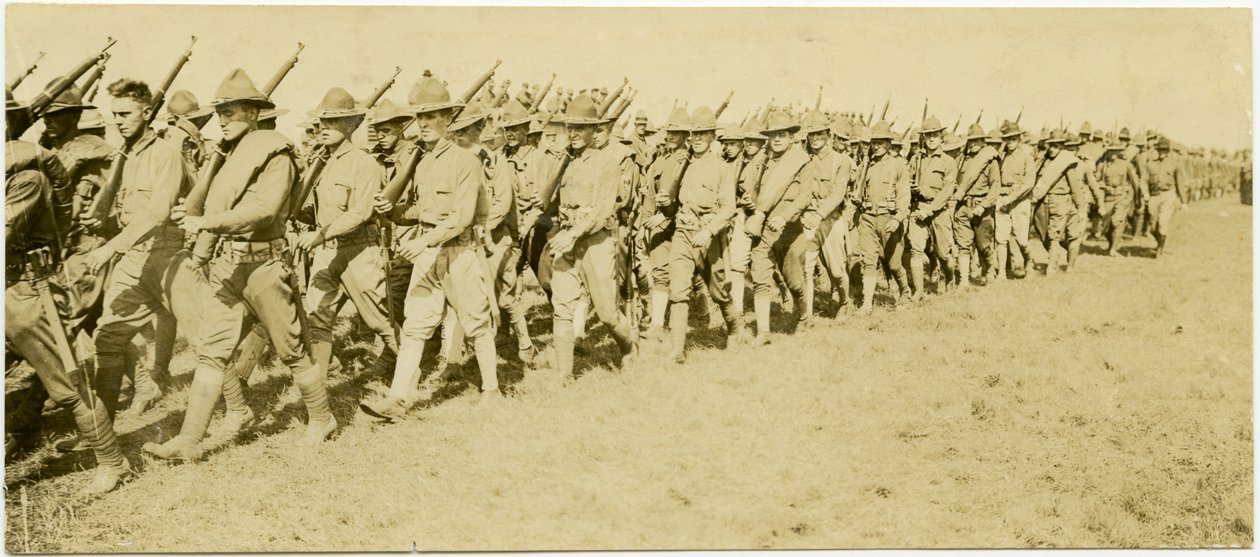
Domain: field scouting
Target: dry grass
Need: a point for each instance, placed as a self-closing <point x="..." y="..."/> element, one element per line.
<point x="1109" y="408"/>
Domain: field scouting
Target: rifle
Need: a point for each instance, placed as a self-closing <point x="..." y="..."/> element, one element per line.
<point x="194" y="203"/>
<point x="503" y="97"/>
<point x="40" y="104"/>
<point x="604" y="106"/>
<point x="1020" y="115"/>
<point x="625" y="103"/>
<point x="818" y="101"/>
<point x="481" y="82"/>
<point x="89" y="83"/>
<point x="91" y="94"/>
<point x="380" y="91"/>
<point x="104" y="200"/>
<point x="538" y="101"/>
<point x="884" y="113"/>
<point x="722" y="107"/>
<point x="19" y="79"/>
<point x="979" y="116"/>
<point x="925" y="105"/>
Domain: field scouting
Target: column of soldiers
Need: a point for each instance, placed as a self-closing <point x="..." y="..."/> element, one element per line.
<point x="255" y="243"/>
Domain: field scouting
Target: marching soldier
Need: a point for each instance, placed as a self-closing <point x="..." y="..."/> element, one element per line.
<point x="785" y="187"/>
<point x="1014" y="209"/>
<point x="346" y="259"/>
<point x="584" y="250"/>
<point x="38" y="203"/>
<point x="931" y="212"/>
<point x="825" y="230"/>
<point x="529" y="170"/>
<point x="754" y="160"/>
<point x="449" y="270"/>
<point x="706" y="204"/>
<point x="1120" y="186"/>
<point x="247" y="208"/>
<point x="658" y="218"/>
<point x="978" y="190"/>
<point x="389" y="122"/>
<point x="1167" y="191"/>
<point x="884" y="194"/>
<point x="1063" y="195"/>
<point x="1078" y="222"/>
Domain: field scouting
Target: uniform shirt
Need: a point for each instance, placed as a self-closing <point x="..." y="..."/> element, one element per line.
<point x="1091" y="192"/>
<point x="86" y="159"/>
<point x="1019" y="171"/>
<point x="153" y="180"/>
<point x="835" y="170"/>
<point x="29" y="173"/>
<point x="980" y="176"/>
<point x="588" y="191"/>
<point x="346" y="190"/>
<point x="448" y="183"/>
<point x="706" y="197"/>
<point x="1165" y="175"/>
<point x="749" y="179"/>
<point x="662" y="175"/>
<point x="937" y="180"/>
<point x="1118" y="176"/>
<point x="787" y="185"/>
<point x="887" y="186"/>
<point x="1057" y="177"/>
<point x="263" y="205"/>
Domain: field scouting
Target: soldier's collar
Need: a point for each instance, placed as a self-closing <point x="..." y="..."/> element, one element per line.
<point x="145" y="140"/>
<point x="342" y="149"/>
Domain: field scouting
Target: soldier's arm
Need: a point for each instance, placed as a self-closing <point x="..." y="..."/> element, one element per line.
<point x="725" y="203"/>
<point x="1079" y="193"/>
<point x="841" y="188"/>
<point x="23" y="199"/>
<point x="1181" y="194"/>
<point x="995" y="183"/>
<point x="902" y="212"/>
<point x="367" y="178"/>
<point x="272" y="189"/>
<point x="947" y="190"/>
<point x="807" y="180"/>
<point x="464" y="207"/>
<point x="609" y="181"/>
<point x="166" y="176"/>
<point x="970" y="174"/>
<point x="500" y="196"/>
<point x="1091" y="180"/>
<point x="1027" y="180"/>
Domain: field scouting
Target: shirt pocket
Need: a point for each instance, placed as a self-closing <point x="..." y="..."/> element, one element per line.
<point x="334" y="194"/>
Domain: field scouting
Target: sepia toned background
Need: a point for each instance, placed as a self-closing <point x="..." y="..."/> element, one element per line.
<point x="1184" y="72"/>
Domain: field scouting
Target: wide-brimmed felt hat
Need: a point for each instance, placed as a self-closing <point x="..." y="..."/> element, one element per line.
<point x="183" y="103"/>
<point x="471" y="115"/>
<point x="1115" y="146"/>
<point x="272" y="114"/>
<point x="752" y="130"/>
<point x="429" y="94"/>
<point x="514" y="114"/>
<point x="581" y="111"/>
<point x="238" y="87"/>
<point x="338" y="103"/>
<point x="1124" y="134"/>
<point x="1056" y="136"/>
<point x="815" y="121"/>
<point x="780" y="121"/>
<point x="387" y="111"/>
<point x="703" y="120"/>
<point x="70" y="99"/>
<point x="841" y="128"/>
<point x="640" y="117"/>
<point x="881" y="130"/>
<point x="1009" y="129"/>
<point x="931" y="125"/>
<point x="975" y="132"/>
<point x="91" y="120"/>
<point x="678" y="121"/>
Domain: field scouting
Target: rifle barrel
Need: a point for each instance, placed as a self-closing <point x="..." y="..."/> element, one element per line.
<point x="276" y="78"/>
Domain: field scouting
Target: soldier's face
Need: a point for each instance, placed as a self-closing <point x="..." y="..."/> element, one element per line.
<point x="840" y="144"/>
<point x="130" y="116"/>
<point x="753" y="146"/>
<point x="974" y="146"/>
<point x="602" y="133"/>
<point x="675" y="139"/>
<point x="335" y="130"/>
<point x="779" y="141"/>
<point x="580" y="135"/>
<point x="61" y="125"/>
<point x="432" y="125"/>
<point x="1011" y="142"/>
<point x="880" y="147"/>
<point x="931" y="140"/>
<point x="515" y="135"/>
<point x="700" y="142"/>
<point x="236" y="119"/>
<point x="388" y="135"/>
<point x="731" y="148"/>
<point x="818" y="140"/>
<point x="640" y="129"/>
<point x="1052" y="149"/>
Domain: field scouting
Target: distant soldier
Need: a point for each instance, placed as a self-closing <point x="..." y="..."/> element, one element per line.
<point x="884" y="198"/>
<point x="931" y="210"/>
<point x="1064" y="195"/>
<point x="346" y="259"/>
<point x="784" y="190"/>
<point x="979" y="186"/>
<point x="585" y="250"/>
<point x="1014" y="208"/>
<point x="706" y="200"/>
<point x="1167" y="191"/>
<point x="38" y="202"/>
<point x="1078" y="221"/>
<point x="1120" y="186"/>
<point x="246" y="207"/>
<point x="187" y="117"/>
<point x="449" y="272"/>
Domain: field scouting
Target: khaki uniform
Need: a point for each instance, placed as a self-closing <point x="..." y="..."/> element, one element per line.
<point x="1064" y="195"/>
<point x="1167" y="189"/>
<point x="885" y="196"/>
<point x="746" y="196"/>
<point x="933" y="192"/>
<point x="1014" y="210"/>
<point x="706" y="201"/>
<point x="974" y="216"/>
<point x="1120" y="186"/>
<point x="660" y="177"/>
<point x="830" y="240"/>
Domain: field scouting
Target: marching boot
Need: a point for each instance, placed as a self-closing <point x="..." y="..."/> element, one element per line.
<point x="964" y="271"/>
<point x="402" y="387"/>
<point x="94" y="426"/>
<point x="203" y="394"/>
<point x="916" y="278"/>
<point x="714" y="312"/>
<point x="579" y="317"/>
<point x="761" y="309"/>
<point x="1052" y="263"/>
<point x="1002" y="257"/>
<point x="1113" y="241"/>
<point x="1159" y="243"/>
<point x="737" y="292"/>
<point x="660" y="304"/>
<point x="869" y="280"/>
<point x="903" y="286"/>
<point x="805" y="305"/>
<point x="562" y="344"/>
<point x="678" y="331"/>
<point x="321" y="352"/>
<point x="320" y="423"/>
<point x="524" y="344"/>
<point x="1073" y="249"/>
<point x="237" y="414"/>
<point x="487" y="363"/>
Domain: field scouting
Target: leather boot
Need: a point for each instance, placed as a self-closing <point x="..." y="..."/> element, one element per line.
<point x="1002" y="256"/>
<point x="579" y="318"/>
<point x="869" y="280"/>
<point x="761" y="309"/>
<point x="562" y="344"/>
<point x="487" y="362"/>
<point x="964" y="270"/>
<point x="678" y="331"/>
<point x="737" y="292"/>
<point x="320" y="423"/>
<point x="916" y="277"/>
<point x="660" y="304"/>
<point x="203" y="394"/>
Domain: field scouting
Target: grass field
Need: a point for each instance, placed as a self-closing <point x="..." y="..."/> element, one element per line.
<point x="1110" y="407"/>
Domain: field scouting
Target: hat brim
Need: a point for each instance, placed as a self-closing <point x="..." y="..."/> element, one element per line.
<point x="1012" y="134"/>
<point x="517" y="122"/>
<point x="256" y="101"/>
<point x="462" y="123"/>
<point x="790" y="129"/>
<point x="932" y="130"/>
<point x="394" y="118"/>
<point x="274" y="114"/>
<point x="333" y="114"/>
<point x="201" y="112"/>
<point x="423" y="108"/>
<point x="703" y="129"/>
<point x="55" y="108"/>
<point x="882" y="137"/>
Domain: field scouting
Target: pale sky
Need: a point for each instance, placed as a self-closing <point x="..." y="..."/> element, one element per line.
<point x="1184" y="72"/>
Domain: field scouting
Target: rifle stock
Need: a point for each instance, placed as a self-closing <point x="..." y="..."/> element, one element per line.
<point x="607" y="104"/>
<point x="39" y="105"/>
<point x="481" y="82"/>
<point x="538" y="101"/>
<point x="625" y="103"/>
<point x="725" y="103"/>
<point x="89" y="83"/>
<point x="503" y="97"/>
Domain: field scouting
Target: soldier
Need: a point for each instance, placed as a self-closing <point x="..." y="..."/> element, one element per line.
<point x="185" y="115"/>
<point x="638" y="140"/>
<point x="706" y="204"/>
<point x="658" y="219"/>
<point x="754" y="160"/>
<point x="345" y="255"/>
<point x="389" y="122"/>
<point x="1167" y="191"/>
<point x="978" y="190"/>
<point x="825" y="228"/>
<point x="785" y="187"/>
<point x="584" y="250"/>
<point x="38" y="203"/>
<point x="449" y="270"/>
<point x="1014" y="209"/>
<point x="931" y="211"/>
<point x="1120" y="185"/>
<point x="884" y="197"/>
<point x="529" y="169"/>
<point x="1063" y="194"/>
<point x="1078" y="222"/>
<point x="247" y="207"/>
<point x="154" y="177"/>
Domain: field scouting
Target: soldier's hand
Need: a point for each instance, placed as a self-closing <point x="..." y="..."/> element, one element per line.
<point x="753" y="225"/>
<point x="892" y="226"/>
<point x="308" y="240"/>
<point x="191" y="224"/>
<point x="662" y="200"/>
<point x="702" y="239"/>
<point x="655" y="222"/>
<point x="98" y="258"/>
<point x="381" y="205"/>
<point x="776" y="224"/>
<point x="92" y="224"/>
<point x="411" y="249"/>
<point x="179" y="211"/>
<point x="561" y="244"/>
<point x="811" y="220"/>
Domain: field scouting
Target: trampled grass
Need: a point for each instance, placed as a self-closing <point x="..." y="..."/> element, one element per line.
<point x="1109" y="407"/>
